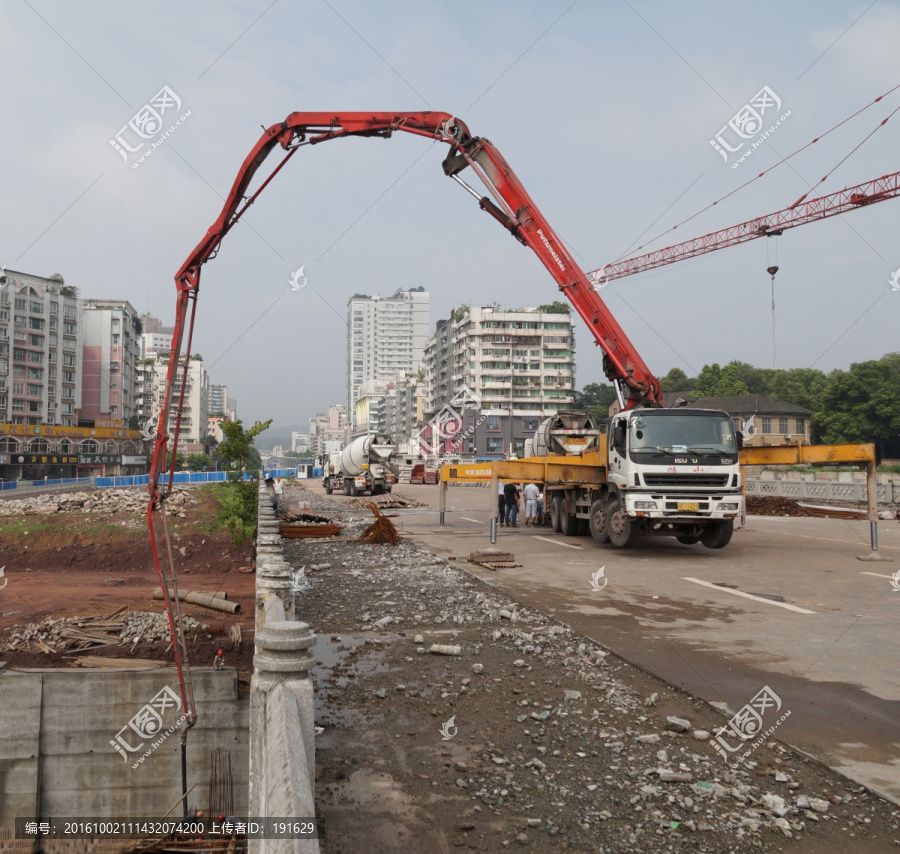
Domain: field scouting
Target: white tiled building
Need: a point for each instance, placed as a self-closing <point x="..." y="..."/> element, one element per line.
<point x="524" y="360"/>
<point x="385" y="336"/>
<point x="40" y="351"/>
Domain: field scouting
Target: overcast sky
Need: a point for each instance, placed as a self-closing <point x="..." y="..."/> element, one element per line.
<point x="605" y="111"/>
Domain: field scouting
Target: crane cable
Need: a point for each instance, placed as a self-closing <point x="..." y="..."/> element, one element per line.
<point x="776" y="165"/>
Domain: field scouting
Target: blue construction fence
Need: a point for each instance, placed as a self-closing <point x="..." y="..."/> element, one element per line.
<point x="143" y="479"/>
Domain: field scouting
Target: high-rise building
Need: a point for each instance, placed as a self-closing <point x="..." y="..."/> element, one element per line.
<point x="40" y="350"/>
<point x="155" y="337"/>
<point x="110" y="352"/>
<point x="151" y="386"/>
<point x="218" y="399"/>
<point x="519" y="364"/>
<point x="329" y="427"/>
<point x="385" y="336"/>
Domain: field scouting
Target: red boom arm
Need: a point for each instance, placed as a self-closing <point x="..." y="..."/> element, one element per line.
<point x="514" y="209"/>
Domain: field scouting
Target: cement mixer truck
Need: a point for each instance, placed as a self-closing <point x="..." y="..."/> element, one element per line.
<point x="363" y="466"/>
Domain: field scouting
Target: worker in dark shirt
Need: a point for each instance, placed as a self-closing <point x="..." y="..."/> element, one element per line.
<point x="511" y="494"/>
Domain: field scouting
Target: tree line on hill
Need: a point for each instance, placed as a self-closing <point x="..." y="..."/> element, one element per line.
<point x="861" y="404"/>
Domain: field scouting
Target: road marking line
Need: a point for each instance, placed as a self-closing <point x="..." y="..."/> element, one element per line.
<point x="750" y="596"/>
<point x="557" y="543"/>
<point x="878" y="575"/>
<point x="476" y="521"/>
<point x="833" y="539"/>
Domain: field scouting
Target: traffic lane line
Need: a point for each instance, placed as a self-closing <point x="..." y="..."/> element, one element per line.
<point x="476" y="521"/>
<point x="878" y="575"/>
<point x="557" y="543"/>
<point x="761" y="599"/>
<point x="827" y="539"/>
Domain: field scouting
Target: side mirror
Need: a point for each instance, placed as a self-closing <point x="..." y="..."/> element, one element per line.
<point x="740" y="440"/>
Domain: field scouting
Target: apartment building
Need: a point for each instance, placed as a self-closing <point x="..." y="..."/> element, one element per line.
<point x="150" y="389"/>
<point x="218" y="399"/>
<point x="404" y="410"/>
<point x="385" y="336"/>
<point x="519" y="364"/>
<point x="40" y="350"/>
<point x="327" y="428"/>
<point x="111" y="331"/>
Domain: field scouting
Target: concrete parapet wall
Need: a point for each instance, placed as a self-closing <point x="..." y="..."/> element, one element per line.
<point x="55" y="752"/>
<point x="282" y="714"/>
<point x="815" y="491"/>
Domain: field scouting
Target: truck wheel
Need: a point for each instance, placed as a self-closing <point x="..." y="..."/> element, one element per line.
<point x="353" y="490"/>
<point x="568" y="524"/>
<point x="377" y="490"/>
<point x="346" y="487"/>
<point x="597" y="523"/>
<point x="388" y="488"/>
<point x="718" y="534"/>
<point x="328" y="487"/>
<point x="688" y="541"/>
<point x="622" y="531"/>
<point x="556" y="514"/>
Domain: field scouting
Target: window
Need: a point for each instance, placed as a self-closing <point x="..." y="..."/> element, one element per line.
<point x="69" y="328"/>
<point x="519" y="447"/>
<point x="18" y="405"/>
<point x="33" y="390"/>
<point x="18" y="355"/>
<point x="35" y="323"/>
<point x="782" y="425"/>
<point x="69" y="361"/>
<point x="36" y="340"/>
<point x="801" y="426"/>
<point x="36" y="307"/>
<point x="90" y="447"/>
<point x="54" y="309"/>
<point x="493" y="444"/>
<point x="21" y="304"/>
<point x="34" y="406"/>
<point x="767" y="425"/>
<point x="35" y="374"/>
<point x="493" y="423"/>
<point x="529" y="423"/>
<point x="35" y="357"/>
<point x="18" y="388"/>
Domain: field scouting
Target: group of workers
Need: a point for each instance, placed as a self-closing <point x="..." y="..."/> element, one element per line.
<point x="508" y="504"/>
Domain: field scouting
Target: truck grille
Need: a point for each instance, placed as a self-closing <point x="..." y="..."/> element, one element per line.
<point x="685" y="479"/>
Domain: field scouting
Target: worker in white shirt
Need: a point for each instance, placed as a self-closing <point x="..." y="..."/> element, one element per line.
<point x="532" y="496"/>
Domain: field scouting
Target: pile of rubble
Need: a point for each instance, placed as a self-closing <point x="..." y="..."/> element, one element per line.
<point x="74" y="634"/>
<point x="773" y="505"/>
<point x="110" y="501"/>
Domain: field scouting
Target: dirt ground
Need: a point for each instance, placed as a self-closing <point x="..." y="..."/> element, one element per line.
<point x="86" y="564"/>
<point x="532" y="736"/>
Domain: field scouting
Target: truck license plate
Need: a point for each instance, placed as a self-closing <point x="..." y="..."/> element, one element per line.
<point x="688" y="506"/>
<point x="576" y="440"/>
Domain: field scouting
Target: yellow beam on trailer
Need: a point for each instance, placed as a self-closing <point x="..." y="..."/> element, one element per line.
<point x="791" y="455"/>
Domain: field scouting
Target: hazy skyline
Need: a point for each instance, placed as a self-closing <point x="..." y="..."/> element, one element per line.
<point x="605" y="112"/>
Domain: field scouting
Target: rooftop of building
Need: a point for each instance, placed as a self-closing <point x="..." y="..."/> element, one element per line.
<point x="738" y="403"/>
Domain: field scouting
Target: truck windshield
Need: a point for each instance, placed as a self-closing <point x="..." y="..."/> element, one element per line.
<point x="673" y="434"/>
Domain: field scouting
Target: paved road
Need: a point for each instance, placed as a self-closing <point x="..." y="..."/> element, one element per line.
<point x="819" y="626"/>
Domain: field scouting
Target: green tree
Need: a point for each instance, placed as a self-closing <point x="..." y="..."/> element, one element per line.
<point x="556" y="307"/>
<point x="862" y="405"/>
<point x="595" y="398"/>
<point x="198" y="462"/>
<point x="179" y="461"/>
<point x="238" y="502"/>
<point x="714" y="381"/>
<point x="677" y="380"/>
<point x="800" y="386"/>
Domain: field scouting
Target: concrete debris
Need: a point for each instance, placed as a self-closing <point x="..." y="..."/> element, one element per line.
<point x="109" y="501"/>
<point x="677" y="724"/>
<point x="555" y="726"/>
<point x="445" y="649"/>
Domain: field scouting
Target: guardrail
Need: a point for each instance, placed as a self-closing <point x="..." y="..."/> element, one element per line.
<point x="888" y="494"/>
<point x="282" y="716"/>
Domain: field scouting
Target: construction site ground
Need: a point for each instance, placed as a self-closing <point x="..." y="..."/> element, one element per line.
<point x="77" y="564"/>
<point x="537" y="734"/>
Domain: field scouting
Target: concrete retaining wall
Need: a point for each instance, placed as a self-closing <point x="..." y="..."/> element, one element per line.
<point x="57" y="725"/>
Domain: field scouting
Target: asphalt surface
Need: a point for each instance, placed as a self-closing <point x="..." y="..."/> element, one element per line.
<point x="818" y="627"/>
